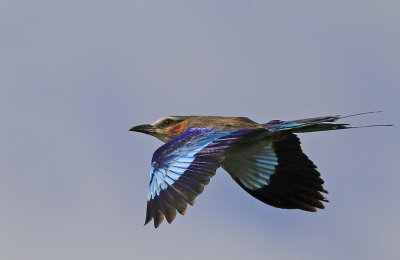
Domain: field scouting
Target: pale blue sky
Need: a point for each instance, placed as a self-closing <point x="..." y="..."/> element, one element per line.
<point x="76" y="75"/>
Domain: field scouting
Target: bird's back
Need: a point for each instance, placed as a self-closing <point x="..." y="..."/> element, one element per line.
<point x="223" y="122"/>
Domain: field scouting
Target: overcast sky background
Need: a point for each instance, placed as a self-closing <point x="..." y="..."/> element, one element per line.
<point x="76" y="75"/>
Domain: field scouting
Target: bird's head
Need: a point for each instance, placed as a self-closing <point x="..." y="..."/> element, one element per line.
<point x="165" y="128"/>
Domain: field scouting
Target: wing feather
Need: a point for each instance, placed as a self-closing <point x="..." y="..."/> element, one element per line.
<point x="274" y="170"/>
<point x="182" y="167"/>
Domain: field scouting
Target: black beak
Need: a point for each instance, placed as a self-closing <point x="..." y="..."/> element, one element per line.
<point x="147" y="129"/>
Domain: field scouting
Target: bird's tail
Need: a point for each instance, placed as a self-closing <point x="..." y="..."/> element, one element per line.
<point x="314" y="124"/>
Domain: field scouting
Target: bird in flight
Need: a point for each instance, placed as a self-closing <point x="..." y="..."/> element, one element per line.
<point x="266" y="160"/>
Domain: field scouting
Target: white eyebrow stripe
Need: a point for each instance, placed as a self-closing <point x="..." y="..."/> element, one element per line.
<point x="159" y="121"/>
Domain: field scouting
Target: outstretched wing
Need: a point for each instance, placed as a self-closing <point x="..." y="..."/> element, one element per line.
<point x="182" y="167"/>
<point x="277" y="172"/>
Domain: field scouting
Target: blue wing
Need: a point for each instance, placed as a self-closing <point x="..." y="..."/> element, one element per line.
<point x="183" y="166"/>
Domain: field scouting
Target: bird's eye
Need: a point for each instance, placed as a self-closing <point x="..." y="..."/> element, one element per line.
<point x="168" y="122"/>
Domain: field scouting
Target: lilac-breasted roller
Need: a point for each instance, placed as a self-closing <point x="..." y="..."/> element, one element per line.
<point x="266" y="160"/>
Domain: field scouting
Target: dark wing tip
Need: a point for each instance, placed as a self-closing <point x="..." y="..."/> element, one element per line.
<point x="149" y="216"/>
<point x="296" y="184"/>
<point x="153" y="212"/>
